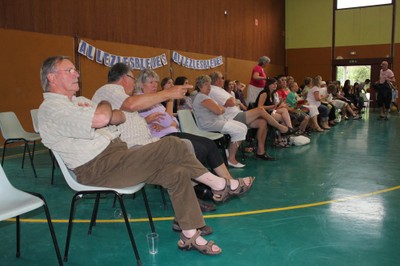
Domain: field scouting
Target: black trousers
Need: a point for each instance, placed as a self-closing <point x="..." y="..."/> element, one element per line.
<point x="384" y="97"/>
<point x="205" y="149"/>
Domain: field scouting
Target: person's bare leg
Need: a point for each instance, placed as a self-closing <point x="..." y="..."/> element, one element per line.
<point x="344" y="111"/>
<point x="348" y="109"/>
<point x="304" y="123"/>
<point x="285" y="117"/>
<point x="316" y="126"/>
<point x="222" y="171"/>
<point x="233" y="148"/>
<point x="325" y="124"/>
<point x="259" y="112"/>
<point x="262" y="129"/>
<point x="218" y="183"/>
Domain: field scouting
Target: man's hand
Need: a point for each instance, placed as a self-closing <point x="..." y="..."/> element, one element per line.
<point x="178" y="92"/>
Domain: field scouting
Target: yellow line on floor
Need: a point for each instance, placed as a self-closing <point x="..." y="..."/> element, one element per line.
<point x="222" y="215"/>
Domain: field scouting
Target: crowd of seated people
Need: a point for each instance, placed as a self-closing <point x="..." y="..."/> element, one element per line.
<point x="256" y="117"/>
<point x="126" y="132"/>
<point x="318" y="106"/>
<point x="282" y="104"/>
<point x="126" y="127"/>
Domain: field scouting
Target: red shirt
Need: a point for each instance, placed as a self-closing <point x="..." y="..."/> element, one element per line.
<point x="283" y="93"/>
<point x="258" y="83"/>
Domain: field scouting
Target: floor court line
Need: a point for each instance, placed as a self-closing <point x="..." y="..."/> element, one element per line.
<point x="223" y="215"/>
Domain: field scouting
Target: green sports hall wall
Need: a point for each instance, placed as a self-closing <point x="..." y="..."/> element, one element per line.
<point x="309" y="35"/>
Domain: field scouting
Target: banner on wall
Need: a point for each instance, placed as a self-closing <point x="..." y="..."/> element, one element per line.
<point x="108" y="59"/>
<point x="195" y="63"/>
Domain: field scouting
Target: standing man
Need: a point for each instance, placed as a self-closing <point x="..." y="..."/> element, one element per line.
<point x="384" y="89"/>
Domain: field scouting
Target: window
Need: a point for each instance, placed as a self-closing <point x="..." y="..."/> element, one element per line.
<point x="353" y="73"/>
<point x="341" y="4"/>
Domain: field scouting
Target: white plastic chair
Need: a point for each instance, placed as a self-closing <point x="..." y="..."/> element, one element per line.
<point x="188" y="125"/>
<point x="82" y="190"/>
<point x="13" y="132"/>
<point x="35" y="120"/>
<point x="35" y="123"/>
<point x="15" y="202"/>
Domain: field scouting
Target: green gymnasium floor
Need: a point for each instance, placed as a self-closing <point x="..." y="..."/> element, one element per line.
<point x="332" y="202"/>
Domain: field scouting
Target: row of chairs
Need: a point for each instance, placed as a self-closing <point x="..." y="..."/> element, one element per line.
<point x="188" y="125"/>
<point x="13" y="131"/>
<point x="16" y="202"/>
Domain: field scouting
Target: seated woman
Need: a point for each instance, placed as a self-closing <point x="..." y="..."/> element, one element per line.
<point x="161" y="122"/>
<point x="323" y="94"/>
<point x="339" y="104"/>
<point x="292" y="101"/>
<point x="210" y="118"/>
<point x="314" y="99"/>
<point x="238" y="90"/>
<point x="186" y="102"/>
<point x="229" y="87"/>
<point x="351" y="93"/>
<point x="267" y="100"/>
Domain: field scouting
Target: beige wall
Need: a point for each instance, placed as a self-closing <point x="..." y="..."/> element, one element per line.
<point x="23" y="54"/>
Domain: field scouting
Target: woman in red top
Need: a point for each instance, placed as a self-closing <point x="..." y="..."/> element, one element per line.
<point x="257" y="80"/>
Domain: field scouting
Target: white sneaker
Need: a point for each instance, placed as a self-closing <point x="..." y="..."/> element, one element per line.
<point x="238" y="165"/>
<point x="227" y="153"/>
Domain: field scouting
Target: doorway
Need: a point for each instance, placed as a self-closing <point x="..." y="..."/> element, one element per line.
<point x="353" y="73"/>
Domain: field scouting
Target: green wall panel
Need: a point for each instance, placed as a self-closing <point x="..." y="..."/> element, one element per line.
<point x="364" y="26"/>
<point x="308" y="23"/>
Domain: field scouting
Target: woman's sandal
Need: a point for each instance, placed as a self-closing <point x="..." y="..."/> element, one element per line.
<point x="225" y="193"/>
<point x="190" y="243"/>
<point x="248" y="149"/>
<point x="280" y="144"/>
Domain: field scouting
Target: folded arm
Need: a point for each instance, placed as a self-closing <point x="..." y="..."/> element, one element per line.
<point x="104" y="115"/>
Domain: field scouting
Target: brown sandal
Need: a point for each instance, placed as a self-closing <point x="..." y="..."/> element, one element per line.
<point x="225" y="193"/>
<point x="190" y="243"/>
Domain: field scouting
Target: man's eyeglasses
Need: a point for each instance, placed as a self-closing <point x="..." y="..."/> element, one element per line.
<point x="130" y="77"/>
<point x="70" y="70"/>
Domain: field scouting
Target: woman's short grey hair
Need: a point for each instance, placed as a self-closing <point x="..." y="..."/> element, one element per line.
<point x="201" y="80"/>
<point x="144" y="76"/>
<point x="263" y="60"/>
<point x="48" y="66"/>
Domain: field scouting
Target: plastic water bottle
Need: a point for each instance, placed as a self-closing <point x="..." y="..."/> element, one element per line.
<point x="118" y="214"/>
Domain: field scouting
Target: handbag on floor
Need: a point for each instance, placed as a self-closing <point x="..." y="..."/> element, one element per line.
<point x="299" y="140"/>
